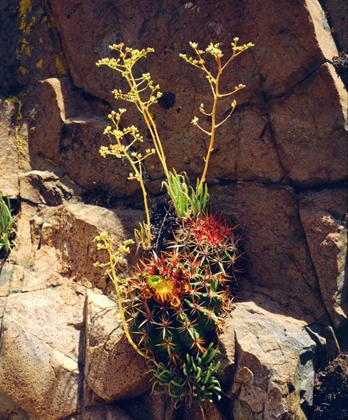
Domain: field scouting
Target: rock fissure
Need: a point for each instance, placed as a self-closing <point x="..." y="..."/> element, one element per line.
<point x="298" y="84"/>
<point x="61" y="48"/>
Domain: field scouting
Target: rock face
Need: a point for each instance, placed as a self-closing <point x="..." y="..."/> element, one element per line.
<point x="44" y="358"/>
<point x="278" y="171"/>
<point x="323" y="216"/>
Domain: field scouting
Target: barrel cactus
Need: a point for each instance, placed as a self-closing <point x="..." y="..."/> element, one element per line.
<point x="174" y="303"/>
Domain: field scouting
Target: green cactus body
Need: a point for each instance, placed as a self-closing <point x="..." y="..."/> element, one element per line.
<point x="174" y="304"/>
<point x="174" y="300"/>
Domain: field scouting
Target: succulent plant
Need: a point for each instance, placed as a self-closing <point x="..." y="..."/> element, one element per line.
<point x="172" y="305"/>
<point x="6" y="226"/>
<point x="210" y="241"/>
<point x="174" y="301"/>
<point x="194" y="380"/>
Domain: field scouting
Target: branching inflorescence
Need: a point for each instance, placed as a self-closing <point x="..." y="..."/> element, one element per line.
<point x="171" y="306"/>
<point x="144" y="93"/>
<point x="214" y="82"/>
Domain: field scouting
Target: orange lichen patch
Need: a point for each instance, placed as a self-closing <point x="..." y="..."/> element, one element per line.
<point x="23" y="70"/>
<point x="23" y="49"/>
<point x="59" y="65"/>
<point x="25" y="7"/>
<point x="39" y="64"/>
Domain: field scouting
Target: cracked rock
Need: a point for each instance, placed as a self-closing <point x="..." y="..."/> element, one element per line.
<point x="38" y="355"/>
<point x="113" y="370"/>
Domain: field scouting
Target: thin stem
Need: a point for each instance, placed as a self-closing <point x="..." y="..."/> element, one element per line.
<point x="202" y="129"/>
<point x="144" y="109"/>
<point x="156" y="140"/>
<point x="236" y="89"/>
<point x="228" y="116"/>
<point x="144" y="192"/>
<point x="215" y="51"/>
<point x="212" y="133"/>
<point x="119" y="301"/>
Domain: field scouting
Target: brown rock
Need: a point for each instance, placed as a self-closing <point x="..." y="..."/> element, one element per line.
<point x="249" y="154"/>
<point x="150" y="406"/>
<point x="195" y="413"/>
<point x="107" y="412"/>
<point x="48" y="188"/>
<point x="297" y="44"/>
<point x="160" y="406"/>
<point x="323" y="215"/>
<point x="150" y="27"/>
<point x="74" y="135"/>
<point x="32" y="48"/>
<point x="312" y="142"/>
<point x="245" y="149"/>
<point x="288" y="129"/>
<point x="275" y="244"/>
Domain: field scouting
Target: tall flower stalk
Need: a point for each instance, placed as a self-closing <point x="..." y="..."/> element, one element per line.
<point x="214" y="81"/>
<point x="122" y="149"/>
<point x="144" y="93"/>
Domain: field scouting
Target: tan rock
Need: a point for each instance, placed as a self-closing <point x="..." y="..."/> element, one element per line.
<point x="45" y="349"/>
<point x="23" y="253"/>
<point x="2" y="307"/>
<point x="57" y="241"/>
<point x="9" y="410"/>
<point x="113" y="369"/>
<point x="8" y="151"/>
<point x="322" y="30"/>
<point x="226" y="355"/>
<point x="274" y="354"/>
